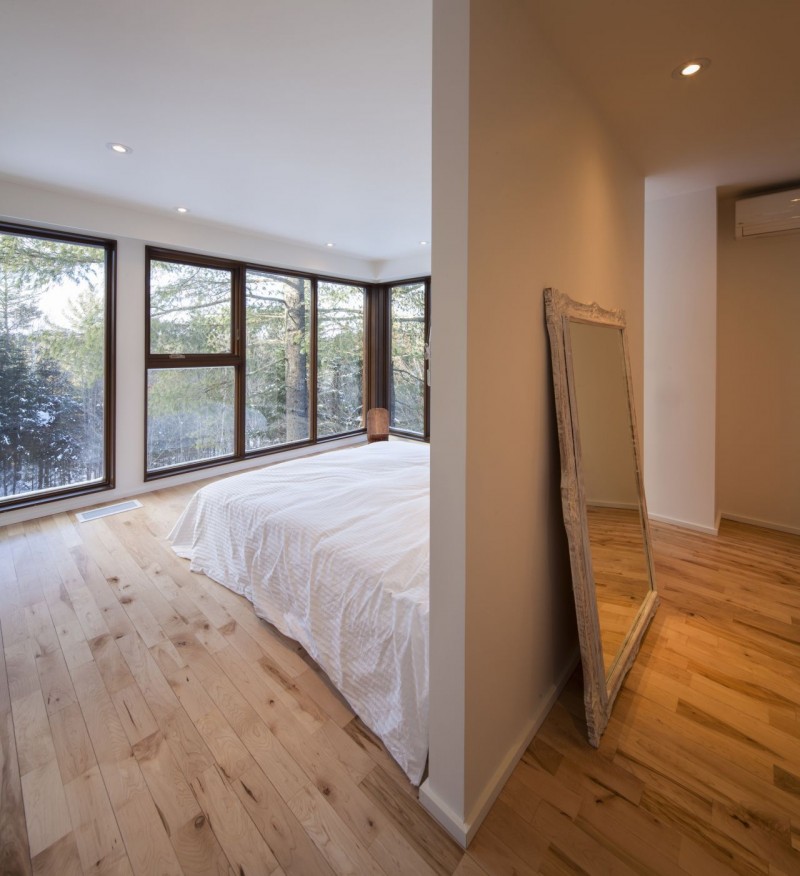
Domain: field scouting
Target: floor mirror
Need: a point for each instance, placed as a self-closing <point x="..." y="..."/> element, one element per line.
<point x="602" y="493"/>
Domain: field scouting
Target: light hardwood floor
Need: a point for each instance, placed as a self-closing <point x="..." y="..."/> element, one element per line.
<point x="150" y="723"/>
<point x="621" y="576"/>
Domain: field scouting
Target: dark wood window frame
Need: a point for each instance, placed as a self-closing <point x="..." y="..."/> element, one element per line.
<point x="237" y="356"/>
<point x="387" y="356"/>
<point x="109" y="361"/>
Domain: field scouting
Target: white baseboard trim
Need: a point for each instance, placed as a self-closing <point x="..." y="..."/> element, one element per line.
<point x="685" y="524"/>
<point x="463" y="831"/>
<point x="451" y="822"/>
<point x="765" y="524"/>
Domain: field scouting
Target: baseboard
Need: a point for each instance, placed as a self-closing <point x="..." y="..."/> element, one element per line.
<point x="621" y="506"/>
<point x="448" y="819"/>
<point x="463" y="831"/>
<point x="764" y="524"/>
<point x="685" y="524"/>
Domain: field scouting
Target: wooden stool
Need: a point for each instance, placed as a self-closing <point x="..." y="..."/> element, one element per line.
<point x="377" y="424"/>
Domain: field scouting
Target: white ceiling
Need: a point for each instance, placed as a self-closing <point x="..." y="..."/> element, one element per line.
<point x="306" y="120"/>
<point x="736" y="125"/>
<point x="309" y="120"/>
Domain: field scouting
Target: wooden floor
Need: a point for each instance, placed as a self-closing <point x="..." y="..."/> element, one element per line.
<point x="149" y="723"/>
<point x="621" y="576"/>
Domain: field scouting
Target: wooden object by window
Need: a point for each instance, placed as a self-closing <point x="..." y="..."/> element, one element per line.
<point x="377" y="424"/>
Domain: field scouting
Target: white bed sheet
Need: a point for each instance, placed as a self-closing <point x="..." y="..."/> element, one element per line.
<point x="334" y="551"/>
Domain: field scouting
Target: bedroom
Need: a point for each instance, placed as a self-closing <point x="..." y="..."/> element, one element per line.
<point x="586" y="252"/>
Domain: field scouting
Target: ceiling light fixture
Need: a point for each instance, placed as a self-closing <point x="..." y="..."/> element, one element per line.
<point x="181" y="209"/>
<point x="119" y="148"/>
<point x="423" y="243"/>
<point x="690" y="68"/>
<point x="328" y="244"/>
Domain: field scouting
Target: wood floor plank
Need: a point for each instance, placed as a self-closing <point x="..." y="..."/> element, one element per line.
<point x="32" y="729"/>
<point x="234" y="829"/>
<point x="46" y="813"/>
<point x="146" y="841"/>
<point x="169" y="789"/>
<point x="430" y="841"/>
<point x="191" y="753"/>
<point x="278" y="825"/>
<point x="59" y="859"/>
<point x="159" y="695"/>
<point x="97" y="837"/>
<point x="14" y="853"/>
<point x="72" y="743"/>
<point x="341" y="848"/>
<point x="134" y="714"/>
<point x="55" y="681"/>
<point x="105" y="729"/>
<point x="198" y="850"/>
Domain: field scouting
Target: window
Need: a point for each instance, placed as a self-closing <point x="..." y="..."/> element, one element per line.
<point x="341" y="320"/>
<point x="408" y="309"/>
<point x="56" y="360"/>
<point x="234" y="366"/>
<point x="278" y="347"/>
<point x="193" y="361"/>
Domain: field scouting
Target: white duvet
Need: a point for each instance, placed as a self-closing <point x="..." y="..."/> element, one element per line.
<point x="333" y="550"/>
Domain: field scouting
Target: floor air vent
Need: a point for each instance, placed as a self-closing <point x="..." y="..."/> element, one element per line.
<point x="85" y="516"/>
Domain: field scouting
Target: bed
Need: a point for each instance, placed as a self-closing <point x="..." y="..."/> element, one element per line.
<point x="333" y="550"/>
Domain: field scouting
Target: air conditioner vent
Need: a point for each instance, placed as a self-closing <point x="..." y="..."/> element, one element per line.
<point x="106" y="510"/>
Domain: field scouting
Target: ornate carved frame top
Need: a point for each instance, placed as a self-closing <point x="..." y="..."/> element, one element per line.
<point x="599" y="690"/>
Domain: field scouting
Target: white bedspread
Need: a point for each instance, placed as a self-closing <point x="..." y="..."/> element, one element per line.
<point x="333" y="550"/>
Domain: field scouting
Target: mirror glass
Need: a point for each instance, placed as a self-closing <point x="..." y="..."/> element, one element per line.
<point x="617" y="544"/>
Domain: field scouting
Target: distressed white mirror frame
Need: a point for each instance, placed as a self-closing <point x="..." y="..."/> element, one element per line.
<point x="600" y="690"/>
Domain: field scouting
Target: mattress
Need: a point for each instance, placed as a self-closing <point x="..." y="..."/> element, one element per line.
<point x="333" y="550"/>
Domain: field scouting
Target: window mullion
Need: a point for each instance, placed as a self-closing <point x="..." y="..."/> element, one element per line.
<point x="238" y="346"/>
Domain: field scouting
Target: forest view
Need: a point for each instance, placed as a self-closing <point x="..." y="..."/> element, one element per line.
<point x="52" y="362"/>
<point x="52" y="372"/>
<point x="407" y="374"/>
<point x="191" y="410"/>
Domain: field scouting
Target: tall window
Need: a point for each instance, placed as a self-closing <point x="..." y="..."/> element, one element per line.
<point x="193" y="362"/>
<point x="341" y="321"/>
<point x="407" y="379"/>
<point x="56" y="359"/>
<point x="278" y="346"/>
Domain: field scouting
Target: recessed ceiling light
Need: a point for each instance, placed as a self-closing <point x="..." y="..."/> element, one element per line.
<point x="423" y="243"/>
<point x="181" y="209"/>
<point x="690" y="68"/>
<point x="119" y="148"/>
<point x="328" y="244"/>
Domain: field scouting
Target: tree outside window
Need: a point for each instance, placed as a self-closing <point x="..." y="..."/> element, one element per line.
<point x="55" y="294"/>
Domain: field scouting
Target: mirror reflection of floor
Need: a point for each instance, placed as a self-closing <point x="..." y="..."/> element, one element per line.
<point x="620" y="573"/>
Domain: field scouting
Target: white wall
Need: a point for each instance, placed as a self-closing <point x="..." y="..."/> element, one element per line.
<point x="758" y="377"/>
<point x="445" y="795"/>
<point x="680" y="359"/>
<point x="547" y="199"/>
<point x="133" y="229"/>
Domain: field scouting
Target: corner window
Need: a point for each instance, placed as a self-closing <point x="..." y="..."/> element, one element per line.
<point x="56" y="365"/>
<point x="243" y="359"/>
<point x="408" y="391"/>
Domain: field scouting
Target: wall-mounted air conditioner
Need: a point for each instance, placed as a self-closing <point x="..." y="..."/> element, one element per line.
<point x="768" y="214"/>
